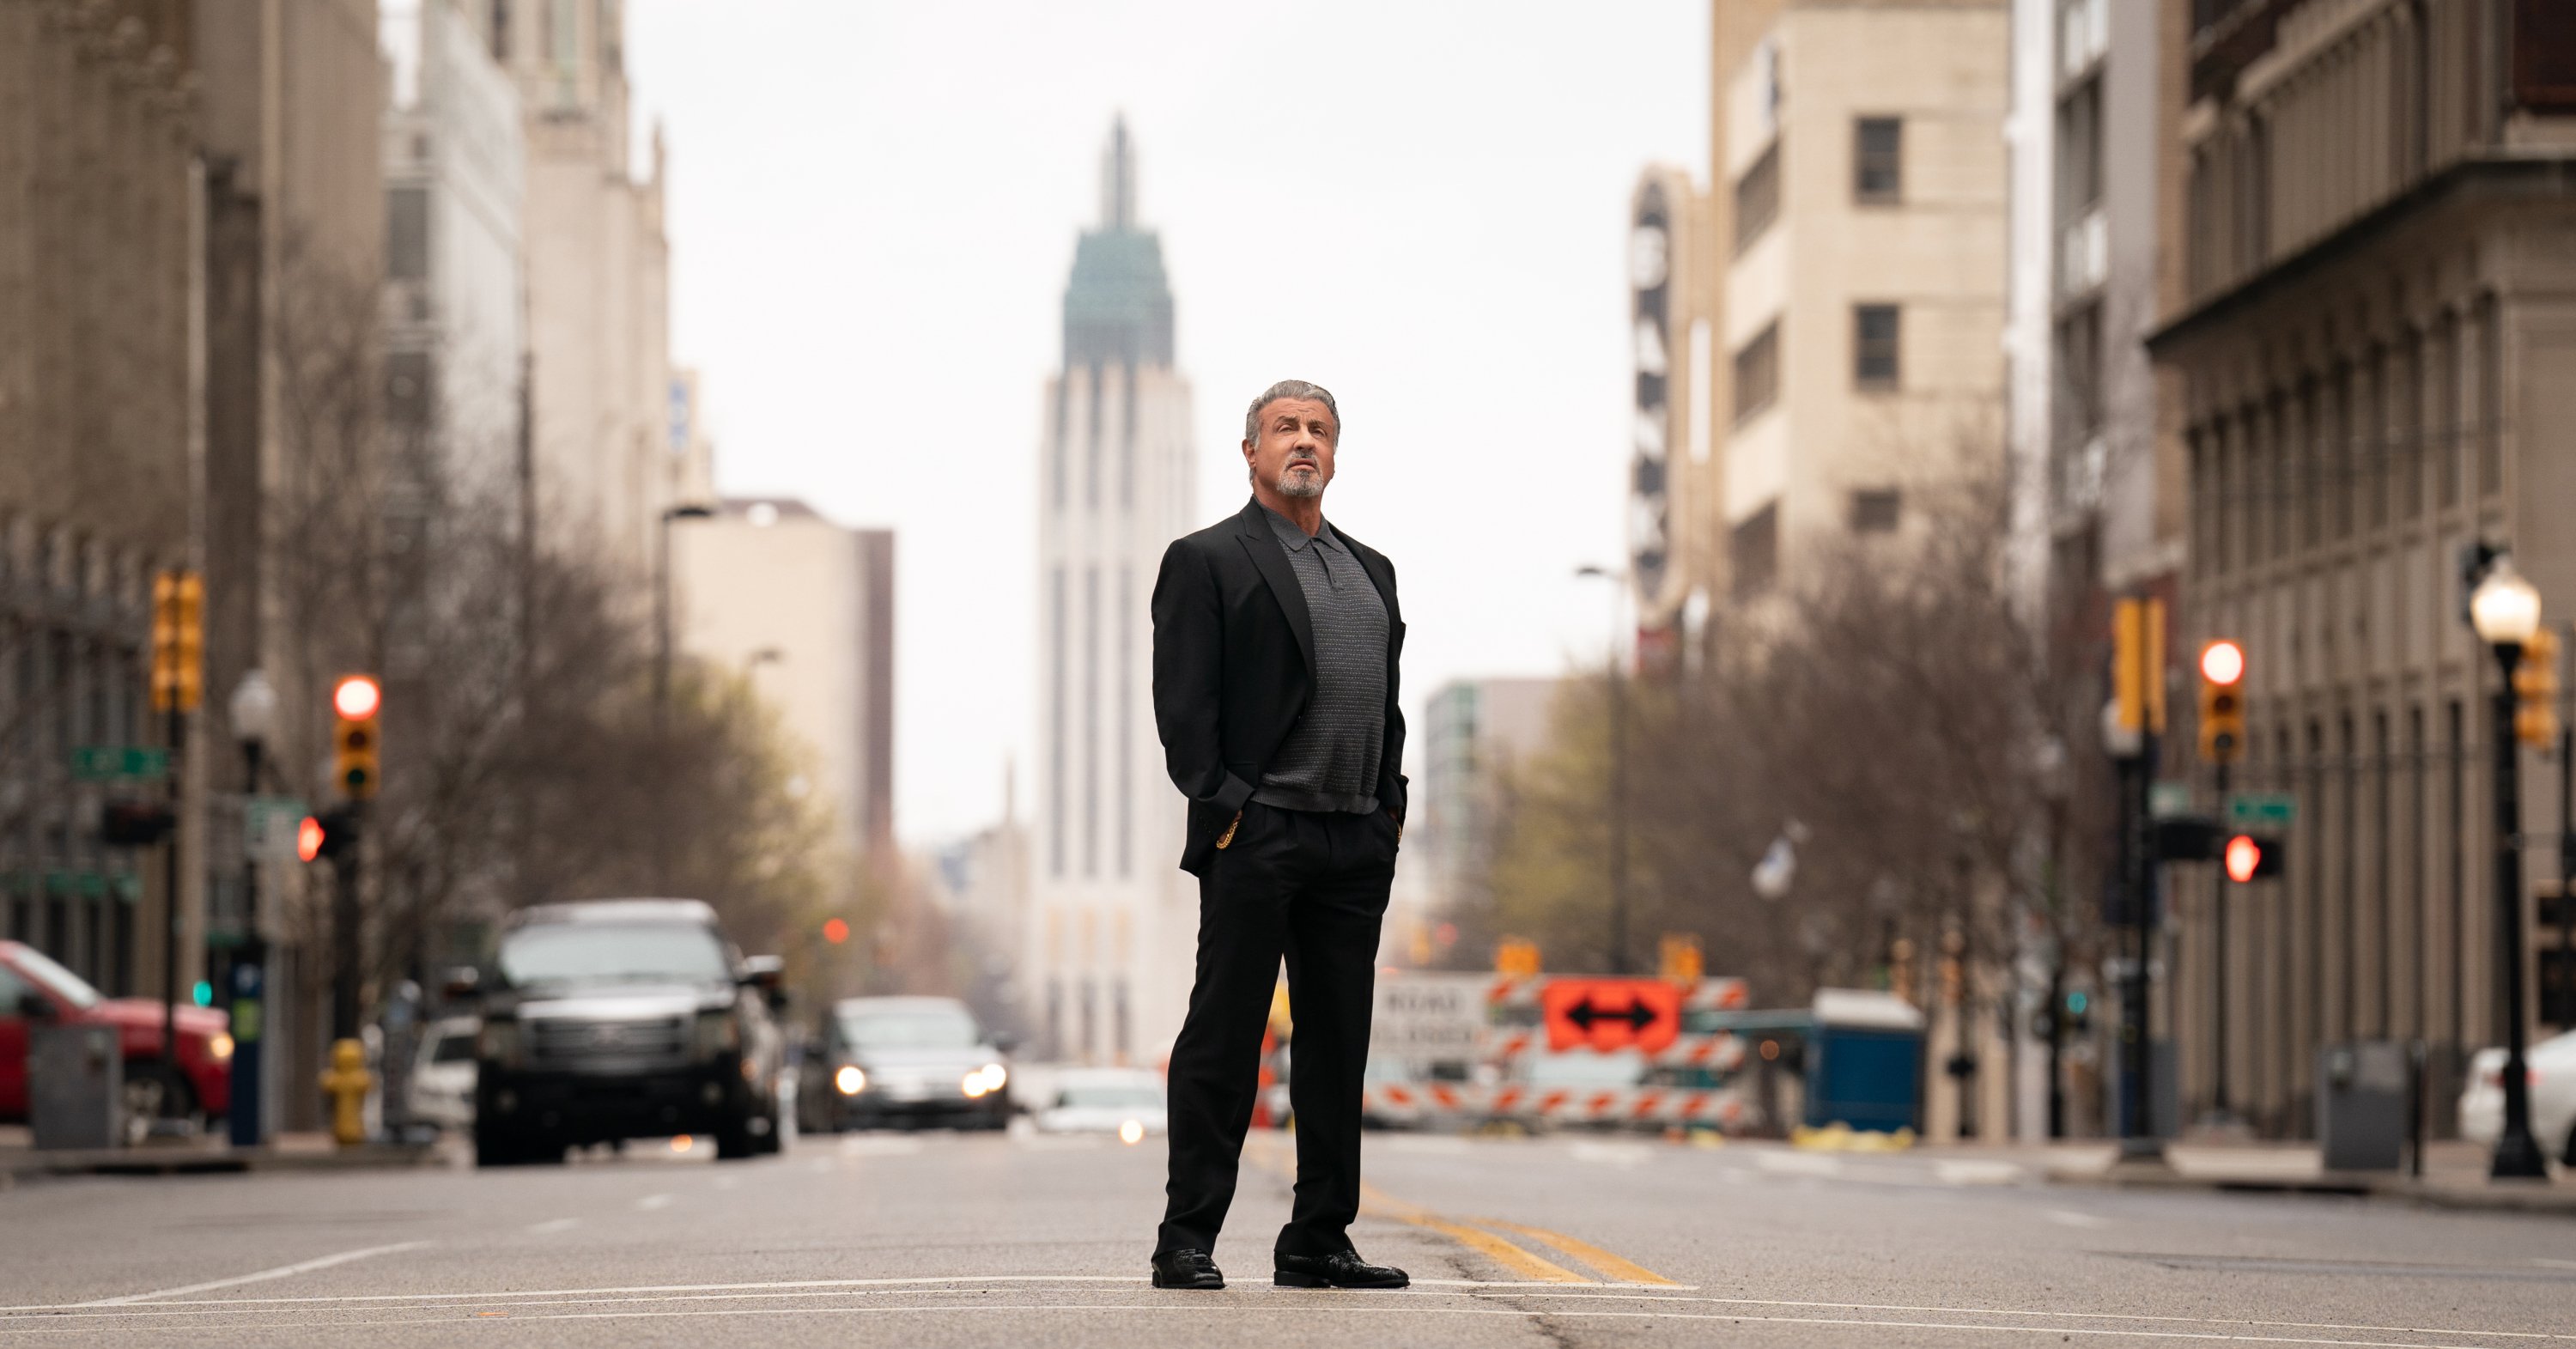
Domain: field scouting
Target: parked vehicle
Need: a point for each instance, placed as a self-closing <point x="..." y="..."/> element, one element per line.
<point x="1127" y="1102"/>
<point x="34" y="991"/>
<point x="617" y="1019"/>
<point x="442" y="1075"/>
<point x="904" y="1061"/>
<point x="2552" y="1066"/>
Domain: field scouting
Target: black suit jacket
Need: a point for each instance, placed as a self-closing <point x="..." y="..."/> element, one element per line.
<point x="1234" y="662"/>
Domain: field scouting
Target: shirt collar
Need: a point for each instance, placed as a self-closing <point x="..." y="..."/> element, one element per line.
<point x="1295" y="539"/>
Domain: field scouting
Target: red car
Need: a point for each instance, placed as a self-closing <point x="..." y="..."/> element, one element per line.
<point x="35" y="989"/>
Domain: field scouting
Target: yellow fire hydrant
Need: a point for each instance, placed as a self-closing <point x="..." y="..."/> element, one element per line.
<point x="347" y="1083"/>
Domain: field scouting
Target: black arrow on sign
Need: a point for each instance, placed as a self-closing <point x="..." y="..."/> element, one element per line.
<point x="1637" y="1014"/>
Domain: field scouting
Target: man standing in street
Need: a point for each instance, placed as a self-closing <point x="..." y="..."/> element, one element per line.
<point x="1275" y="646"/>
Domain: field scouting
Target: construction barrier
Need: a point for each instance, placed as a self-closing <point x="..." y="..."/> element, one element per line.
<point x="1473" y="1103"/>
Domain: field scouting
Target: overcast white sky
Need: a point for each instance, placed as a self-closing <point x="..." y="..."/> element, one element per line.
<point x="1420" y="205"/>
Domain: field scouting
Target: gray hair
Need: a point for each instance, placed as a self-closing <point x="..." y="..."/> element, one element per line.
<point x="1289" y="388"/>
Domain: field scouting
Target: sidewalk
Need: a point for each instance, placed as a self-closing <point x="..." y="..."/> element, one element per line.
<point x="20" y="1161"/>
<point x="2455" y="1173"/>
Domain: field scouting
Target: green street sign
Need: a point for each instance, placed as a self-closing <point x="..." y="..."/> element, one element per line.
<point x="2258" y="810"/>
<point x="98" y="763"/>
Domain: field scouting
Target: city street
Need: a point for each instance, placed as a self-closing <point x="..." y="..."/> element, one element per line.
<point x="989" y="1239"/>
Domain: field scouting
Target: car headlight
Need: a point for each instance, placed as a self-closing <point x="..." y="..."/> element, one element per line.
<point x="220" y="1048"/>
<point x="850" y="1081"/>
<point x="498" y="1042"/>
<point x="984" y="1081"/>
<point x="716" y="1034"/>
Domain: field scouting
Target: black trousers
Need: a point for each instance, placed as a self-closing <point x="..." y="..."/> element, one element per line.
<point x="1312" y="888"/>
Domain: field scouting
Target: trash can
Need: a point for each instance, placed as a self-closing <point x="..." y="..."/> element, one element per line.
<point x="2361" y="1105"/>
<point x="75" y="1086"/>
<point x="1864" y="1061"/>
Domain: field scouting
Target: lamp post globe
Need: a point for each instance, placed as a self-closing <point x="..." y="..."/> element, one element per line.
<point x="2505" y="608"/>
<point x="254" y="709"/>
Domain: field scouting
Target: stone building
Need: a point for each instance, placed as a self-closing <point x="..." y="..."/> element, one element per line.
<point x="1856" y="276"/>
<point x="598" y="275"/>
<point x="1106" y="972"/>
<point x="97" y="420"/>
<point x="2378" y="356"/>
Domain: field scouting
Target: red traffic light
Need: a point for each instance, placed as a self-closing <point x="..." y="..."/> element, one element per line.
<point x="835" y="931"/>
<point x="2222" y="662"/>
<point x="2244" y="857"/>
<point x="308" y="839"/>
<point x="356" y="697"/>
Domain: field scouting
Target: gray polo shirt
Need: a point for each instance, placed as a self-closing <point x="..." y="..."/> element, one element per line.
<point x="1330" y="761"/>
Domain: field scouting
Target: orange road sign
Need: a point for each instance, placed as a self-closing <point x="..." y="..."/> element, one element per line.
<point x="1607" y="1014"/>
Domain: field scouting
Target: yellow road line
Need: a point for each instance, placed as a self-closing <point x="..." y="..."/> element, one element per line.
<point x="1501" y="1252"/>
<point x="1610" y="1265"/>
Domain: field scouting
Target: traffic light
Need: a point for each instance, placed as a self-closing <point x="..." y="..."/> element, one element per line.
<point x="135" y="824"/>
<point x="836" y="930"/>
<point x="329" y="834"/>
<point x="1681" y="959"/>
<point x="1516" y="955"/>
<point x="178" y="641"/>
<point x="2079" y="1012"/>
<point x="2535" y="689"/>
<point x="355" y="765"/>
<point x="2138" y="664"/>
<point x="2222" y="702"/>
<point x="2249" y="857"/>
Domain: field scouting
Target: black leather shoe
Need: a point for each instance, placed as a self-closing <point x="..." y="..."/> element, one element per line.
<point x="1341" y="1269"/>
<point x="1188" y="1267"/>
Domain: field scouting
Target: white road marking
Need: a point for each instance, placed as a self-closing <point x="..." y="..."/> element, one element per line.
<point x="1612" y="1154"/>
<point x="497" y="1295"/>
<point x="865" y="1145"/>
<point x="281" y="1272"/>
<point x="1798" y="1163"/>
<point x="653" y="1201"/>
<point x="1956" y="1171"/>
<point x="554" y="1225"/>
<point x="1303" y="1307"/>
<point x="2067" y="1217"/>
<point x="2555" y="1264"/>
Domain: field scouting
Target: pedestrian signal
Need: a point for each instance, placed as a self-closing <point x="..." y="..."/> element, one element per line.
<point x="1516" y="955"/>
<point x="2535" y="691"/>
<point x="308" y="839"/>
<point x="2249" y="858"/>
<point x="1681" y="960"/>
<point x="2222" y="702"/>
<point x="356" y="761"/>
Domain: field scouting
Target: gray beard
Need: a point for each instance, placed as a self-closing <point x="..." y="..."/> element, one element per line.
<point x="1300" y="486"/>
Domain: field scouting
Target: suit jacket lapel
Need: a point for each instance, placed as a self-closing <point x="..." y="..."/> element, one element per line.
<point x="1271" y="559"/>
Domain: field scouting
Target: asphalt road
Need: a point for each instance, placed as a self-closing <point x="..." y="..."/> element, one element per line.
<point x="991" y="1240"/>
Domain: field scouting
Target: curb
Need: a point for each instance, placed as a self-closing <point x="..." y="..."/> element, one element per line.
<point x="212" y="1161"/>
<point x="2547" y="1200"/>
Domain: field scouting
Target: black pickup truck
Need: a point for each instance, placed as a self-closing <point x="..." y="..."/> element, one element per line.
<point x="617" y="1019"/>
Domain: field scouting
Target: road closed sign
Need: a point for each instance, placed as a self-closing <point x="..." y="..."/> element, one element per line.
<point x="1608" y="1014"/>
<point x="1427" y="1018"/>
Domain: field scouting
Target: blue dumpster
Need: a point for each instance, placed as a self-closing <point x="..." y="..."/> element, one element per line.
<point x="1865" y="1061"/>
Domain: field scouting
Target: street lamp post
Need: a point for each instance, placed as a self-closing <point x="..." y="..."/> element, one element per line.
<point x="2505" y="611"/>
<point x="1618" y="803"/>
<point x="254" y="719"/>
<point x="662" y="677"/>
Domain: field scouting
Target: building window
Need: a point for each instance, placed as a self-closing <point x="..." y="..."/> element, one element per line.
<point x="1878" y="160"/>
<point x="1874" y="510"/>
<point x="1122" y="748"/>
<point x="1757" y="198"/>
<point x="1757" y="373"/>
<point x="1091" y="721"/>
<point x="1874" y="346"/>
<point x="500" y="31"/>
<point x="1753" y="550"/>
<point x="407" y="233"/>
<point x="1055" y="721"/>
<point x="2079" y="151"/>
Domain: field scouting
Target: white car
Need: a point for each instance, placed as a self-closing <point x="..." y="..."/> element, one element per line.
<point x="2552" y="1065"/>
<point x="1127" y="1102"/>
<point x="442" y="1077"/>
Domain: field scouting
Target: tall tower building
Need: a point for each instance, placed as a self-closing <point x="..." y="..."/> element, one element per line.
<point x="1106" y="976"/>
